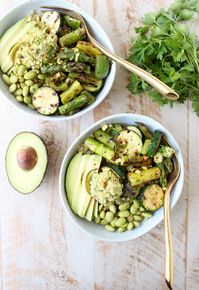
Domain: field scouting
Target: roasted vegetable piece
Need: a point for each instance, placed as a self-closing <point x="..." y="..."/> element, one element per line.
<point x="114" y="130"/>
<point x="72" y="37"/>
<point x="145" y="146"/>
<point x="66" y="54"/>
<point x="101" y="67"/>
<point x="89" y="83"/>
<point x="144" y="130"/>
<point x="158" y="158"/>
<point x="52" y="20"/>
<point x="88" y="48"/>
<point x="155" y="142"/>
<point x="135" y="129"/>
<point x="74" y="90"/>
<point x="168" y="165"/>
<point x="74" y="67"/>
<point x="143" y="176"/>
<point x="71" y="106"/>
<point x="105" y="139"/>
<point x="153" y="197"/>
<point x="99" y="148"/>
<point x="90" y="97"/>
<point x="82" y="57"/>
<point x="51" y="69"/>
<point x="163" y="176"/>
<point x="118" y="169"/>
<point x="167" y="151"/>
<point x="56" y="84"/>
<point x="45" y="100"/>
<point x="72" y="22"/>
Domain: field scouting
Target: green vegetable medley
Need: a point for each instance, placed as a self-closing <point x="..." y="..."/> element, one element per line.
<point x="165" y="47"/>
<point x="49" y="65"/>
<point x="121" y="176"/>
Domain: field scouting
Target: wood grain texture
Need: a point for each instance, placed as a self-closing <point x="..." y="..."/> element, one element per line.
<point x="40" y="248"/>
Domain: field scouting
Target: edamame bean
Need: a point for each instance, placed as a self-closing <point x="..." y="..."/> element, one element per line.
<point x="113" y="208"/>
<point x="6" y="79"/>
<point x="120" y="230"/>
<point x="130" y="218"/>
<point x="124" y="225"/>
<point x="29" y="83"/>
<point x="15" y="69"/>
<point x="41" y="76"/>
<point x="27" y="100"/>
<point x="133" y="209"/>
<point x="13" y="79"/>
<point x="124" y="206"/>
<point x="136" y="203"/>
<point x="19" y="99"/>
<point x="36" y="86"/>
<point x="109" y="228"/>
<point x="97" y="220"/>
<point x="21" y="79"/>
<point x="32" y="90"/>
<point x="103" y="222"/>
<point x="109" y="216"/>
<point x="31" y="106"/>
<point x="141" y="209"/>
<point x="12" y="88"/>
<point x="138" y="213"/>
<point x="21" y="70"/>
<point x="136" y="224"/>
<point x="147" y="214"/>
<point x="25" y="91"/>
<point x="18" y="92"/>
<point x="102" y="214"/>
<point x="22" y="85"/>
<point x="120" y="222"/>
<point x="130" y="226"/>
<point x="113" y="223"/>
<point x="124" y="213"/>
<point x="30" y="75"/>
<point x="137" y="218"/>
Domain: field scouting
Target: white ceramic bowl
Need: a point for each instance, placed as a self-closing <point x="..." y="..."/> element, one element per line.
<point x="21" y="10"/>
<point x="98" y="231"/>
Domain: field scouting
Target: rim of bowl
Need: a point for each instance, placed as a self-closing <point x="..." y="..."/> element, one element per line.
<point x="175" y="195"/>
<point x="108" y="82"/>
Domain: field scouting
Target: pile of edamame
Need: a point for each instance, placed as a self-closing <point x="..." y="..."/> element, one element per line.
<point x="122" y="217"/>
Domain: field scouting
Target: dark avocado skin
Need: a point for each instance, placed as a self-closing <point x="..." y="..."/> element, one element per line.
<point x="46" y="164"/>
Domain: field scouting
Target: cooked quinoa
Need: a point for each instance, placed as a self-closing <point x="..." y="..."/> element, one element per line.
<point x="105" y="186"/>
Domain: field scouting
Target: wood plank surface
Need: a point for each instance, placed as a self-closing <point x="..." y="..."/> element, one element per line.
<point x="39" y="247"/>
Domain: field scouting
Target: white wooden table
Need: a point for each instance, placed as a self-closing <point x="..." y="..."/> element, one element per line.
<point x="40" y="248"/>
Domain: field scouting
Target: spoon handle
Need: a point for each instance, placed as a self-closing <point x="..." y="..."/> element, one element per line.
<point x="168" y="242"/>
<point x="166" y="91"/>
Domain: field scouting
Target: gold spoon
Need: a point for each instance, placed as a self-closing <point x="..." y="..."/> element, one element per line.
<point x="172" y="178"/>
<point x="162" y="88"/>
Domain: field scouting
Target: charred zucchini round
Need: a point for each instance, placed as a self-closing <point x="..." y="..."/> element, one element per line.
<point x="153" y="197"/>
<point x="45" y="100"/>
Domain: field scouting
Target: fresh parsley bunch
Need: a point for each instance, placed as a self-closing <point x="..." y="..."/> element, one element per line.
<point x="166" y="48"/>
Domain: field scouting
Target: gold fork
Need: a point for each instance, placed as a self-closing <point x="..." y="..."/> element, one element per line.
<point x="172" y="178"/>
<point x="162" y="88"/>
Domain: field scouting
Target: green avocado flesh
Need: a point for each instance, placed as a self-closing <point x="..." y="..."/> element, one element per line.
<point x="12" y="39"/>
<point x="79" y="198"/>
<point x="26" y="161"/>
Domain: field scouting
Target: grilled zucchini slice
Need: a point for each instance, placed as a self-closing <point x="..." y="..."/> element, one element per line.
<point x="153" y="197"/>
<point x="45" y="100"/>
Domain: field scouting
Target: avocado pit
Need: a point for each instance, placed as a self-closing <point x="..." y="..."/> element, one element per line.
<point x="27" y="158"/>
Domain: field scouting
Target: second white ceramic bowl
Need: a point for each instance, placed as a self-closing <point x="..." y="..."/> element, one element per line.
<point x="23" y="9"/>
<point x="97" y="231"/>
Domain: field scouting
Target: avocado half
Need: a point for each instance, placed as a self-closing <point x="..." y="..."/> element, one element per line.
<point x="26" y="162"/>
